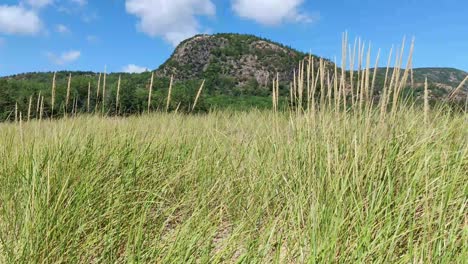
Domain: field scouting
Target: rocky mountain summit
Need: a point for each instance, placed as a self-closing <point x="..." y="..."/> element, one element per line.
<point x="243" y="58"/>
<point x="250" y="61"/>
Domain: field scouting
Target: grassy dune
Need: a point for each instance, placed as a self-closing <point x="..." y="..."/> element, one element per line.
<point x="336" y="178"/>
<point x="248" y="187"/>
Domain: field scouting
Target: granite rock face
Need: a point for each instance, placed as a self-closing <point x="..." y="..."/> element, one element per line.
<point x="241" y="57"/>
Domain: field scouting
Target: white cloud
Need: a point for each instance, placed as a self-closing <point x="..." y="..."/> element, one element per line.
<point x="272" y="12"/>
<point x="18" y="20"/>
<point x="39" y="3"/>
<point x="65" y="57"/>
<point x="174" y="20"/>
<point x="132" y="68"/>
<point x="60" y="28"/>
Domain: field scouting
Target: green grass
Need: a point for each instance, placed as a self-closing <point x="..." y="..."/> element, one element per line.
<point x="247" y="187"/>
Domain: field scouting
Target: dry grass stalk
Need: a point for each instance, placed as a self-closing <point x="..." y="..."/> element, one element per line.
<point x="301" y="84"/>
<point x="88" y="101"/>
<point x="117" y="97"/>
<point x="21" y="128"/>
<point x="68" y="93"/>
<point x="104" y="89"/>
<point x="322" y="83"/>
<point x="313" y="86"/>
<point x="367" y="79"/>
<point x="38" y="104"/>
<point x="352" y="62"/>
<point x="426" y="101"/>
<point x="364" y="89"/>
<point x="374" y="77"/>
<point x="150" y="92"/>
<point x="169" y="93"/>
<point x="29" y="108"/>
<point x="452" y="94"/>
<point x="277" y="90"/>
<point x="466" y="104"/>
<point x="198" y="95"/>
<point x="390" y="89"/>
<point x="406" y="74"/>
<point x="360" y="48"/>
<point x="294" y="88"/>
<point x="396" y="90"/>
<point x="329" y="90"/>
<point x="41" y="111"/>
<point x="98" y="91"/>
<point x="383" y="98"/>
<point x="309" y="65"/>
<point x="344" y="95"/>
<point x="75" y="106"/>
<point x="53" y="93"/>
<point x="342" y="88"/>
<point x="363" y="66"/>
<point x="177" y="108"/>
<point x="291" y="93"/>
<point x="409" y="67"/>
<point x="314" y="90"/>
<point x="273" y="96"/>
<point x="16" y="112"/>
<point x="336" y="94"/>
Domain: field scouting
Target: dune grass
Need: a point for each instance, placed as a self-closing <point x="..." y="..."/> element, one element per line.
<point x="339" y="176"/>
<point x="229" y="187"/>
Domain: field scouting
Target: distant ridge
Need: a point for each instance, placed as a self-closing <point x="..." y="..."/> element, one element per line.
<point x="246" y="62"/>
<point x="243" y="58"/>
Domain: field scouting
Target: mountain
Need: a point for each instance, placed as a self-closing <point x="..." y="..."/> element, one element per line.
<point x="235" y="61"/>
<point x="241" y="58"/>
<point x="231" y="64"/>
<point x="441" y="81"/>
<point x="441" y="76"/>
<point x="444" y="80"/>
<point x="238" y="71"/>
<point x="243" y="61"/>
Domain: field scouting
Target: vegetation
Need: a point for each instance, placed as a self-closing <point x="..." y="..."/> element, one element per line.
<point x="219" y="93"/>
<point x="220" y="48"/>
<point x="18" y="90"/>
<point x="329" y="176"/>
<point x="133" y="94"/>
<point x="245" y="186"/>
<point x="227" y="62"/>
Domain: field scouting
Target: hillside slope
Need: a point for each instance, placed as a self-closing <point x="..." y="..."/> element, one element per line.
<point x="241" y="58"/>
<point x="238" y="70"/>
<point x="442" y="81"/>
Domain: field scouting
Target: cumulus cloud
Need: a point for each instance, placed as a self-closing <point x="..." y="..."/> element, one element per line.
<point x="132" y="68"/>
<point x="65" y="57"/>
<point x="60" y="28"/>
<point x="272" y="12"/>
<point x="174" y="20"/>
<point x="18" y="20"/>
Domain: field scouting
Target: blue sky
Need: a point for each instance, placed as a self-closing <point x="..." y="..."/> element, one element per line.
<point x="131" y="35"/>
